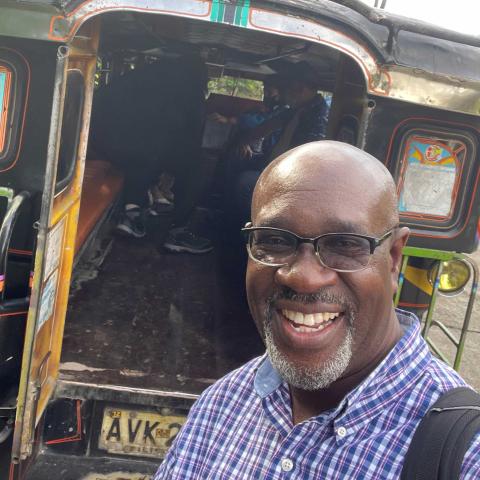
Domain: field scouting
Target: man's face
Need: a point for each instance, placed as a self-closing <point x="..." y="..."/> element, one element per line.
<point x="350" y="310"/>
<point x="298" y="93"/>
<point x="271" y="96"/>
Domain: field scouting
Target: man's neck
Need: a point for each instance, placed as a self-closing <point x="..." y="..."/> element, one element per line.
<point x="308" y="404"/>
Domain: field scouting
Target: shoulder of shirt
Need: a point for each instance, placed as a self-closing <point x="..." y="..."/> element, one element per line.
<point x="239" y="380"/>
<point x="436" y="379"/>
<point x="444" y="376"/>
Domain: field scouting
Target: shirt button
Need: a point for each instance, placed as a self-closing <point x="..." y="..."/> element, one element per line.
<point x="341" y="432"/>
<point x="286" y="464"/>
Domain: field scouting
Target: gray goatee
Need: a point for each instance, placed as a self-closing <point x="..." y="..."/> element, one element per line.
<point x="313" y="377"/>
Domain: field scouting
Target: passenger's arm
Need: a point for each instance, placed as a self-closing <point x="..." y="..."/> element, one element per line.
<point x="269" y="126"/>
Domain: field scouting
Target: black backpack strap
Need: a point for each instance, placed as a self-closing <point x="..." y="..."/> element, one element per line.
<point x="443" y="437"/>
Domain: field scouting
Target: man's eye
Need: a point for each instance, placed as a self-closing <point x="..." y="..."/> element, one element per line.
<point x="273" y="241"/>
<point x="348" y="244"/>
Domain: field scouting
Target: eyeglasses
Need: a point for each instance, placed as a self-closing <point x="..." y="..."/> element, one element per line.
<point x="342" y="252"/>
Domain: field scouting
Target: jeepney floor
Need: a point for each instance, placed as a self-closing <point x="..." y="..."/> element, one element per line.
<point x="161" y="321"/>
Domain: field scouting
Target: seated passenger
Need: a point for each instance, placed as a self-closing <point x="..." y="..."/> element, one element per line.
<point x="304" y="120"/>
<point x="147" y="122"/>
<point x="253" y="153"/>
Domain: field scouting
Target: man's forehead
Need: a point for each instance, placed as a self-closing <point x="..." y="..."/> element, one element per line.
<point x="331" y="195"/>
<point x="333" y="190"/>
<point x="307" y="172"/>
<point x="313" y="212"/>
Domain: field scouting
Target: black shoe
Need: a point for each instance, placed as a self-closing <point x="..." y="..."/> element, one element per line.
<point x="132" y="223"/>
<point x="182" y="240"/>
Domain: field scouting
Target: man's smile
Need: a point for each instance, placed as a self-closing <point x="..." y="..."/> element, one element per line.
<point x="314" y="327"/>
<point x="310" y="322"/>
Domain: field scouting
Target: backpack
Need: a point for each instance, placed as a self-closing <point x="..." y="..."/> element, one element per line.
<point x="443" y="437"/>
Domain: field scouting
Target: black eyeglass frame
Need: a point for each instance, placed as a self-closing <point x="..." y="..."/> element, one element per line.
<point x="373" y="242"/>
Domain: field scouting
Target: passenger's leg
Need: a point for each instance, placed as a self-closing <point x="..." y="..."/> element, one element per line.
<point x="139" y="173"/>
<point x="191" y="181"/>
<point x="243" y="193"/>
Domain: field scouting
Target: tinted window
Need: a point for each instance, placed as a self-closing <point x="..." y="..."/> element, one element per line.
<point x="13" y="89"/>
<point x="71" y="125"/>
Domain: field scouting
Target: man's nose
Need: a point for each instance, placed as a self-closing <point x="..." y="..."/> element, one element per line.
<point x="305" y="273"/>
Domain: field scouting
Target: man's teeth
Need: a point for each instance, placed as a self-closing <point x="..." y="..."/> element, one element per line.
<point x="316" y="320"/>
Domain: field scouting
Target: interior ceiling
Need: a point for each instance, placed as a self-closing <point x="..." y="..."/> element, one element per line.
<point x="224" y="44"/>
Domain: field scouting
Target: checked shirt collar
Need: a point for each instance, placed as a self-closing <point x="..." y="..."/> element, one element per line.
<point x="397" y="371"/>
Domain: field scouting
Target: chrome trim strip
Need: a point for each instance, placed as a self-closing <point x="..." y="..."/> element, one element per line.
<point x="123" y="389"/>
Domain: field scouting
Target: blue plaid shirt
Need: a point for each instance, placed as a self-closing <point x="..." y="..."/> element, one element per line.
<point x="241" y="427"/>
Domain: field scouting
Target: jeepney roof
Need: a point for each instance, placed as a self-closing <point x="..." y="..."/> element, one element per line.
<point x="394" y="39"/>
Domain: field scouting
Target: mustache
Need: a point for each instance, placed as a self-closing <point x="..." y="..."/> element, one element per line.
<point x="324" y="296"/>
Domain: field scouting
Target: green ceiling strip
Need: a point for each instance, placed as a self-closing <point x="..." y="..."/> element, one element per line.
<point x="221" y="11"/>
<point x="215" y="9"/>
<point x="244" y="14"/>
<point x="238" y="15"/>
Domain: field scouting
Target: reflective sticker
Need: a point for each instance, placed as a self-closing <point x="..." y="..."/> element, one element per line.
<point x="54" y="247"/>
<point x="47" y="303"/>
<point x="5" y="79"/>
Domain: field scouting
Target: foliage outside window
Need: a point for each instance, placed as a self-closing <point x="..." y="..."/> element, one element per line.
<point x="236" y="87"/>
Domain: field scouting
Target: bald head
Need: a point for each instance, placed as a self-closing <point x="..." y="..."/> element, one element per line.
<point x="339" y="173"/>
<point x="313" y="191"/>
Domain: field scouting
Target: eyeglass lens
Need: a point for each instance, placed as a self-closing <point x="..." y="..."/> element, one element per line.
<point x="336" y="251"/>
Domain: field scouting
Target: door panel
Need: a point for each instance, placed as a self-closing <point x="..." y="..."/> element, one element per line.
<point x="56" y="239"/>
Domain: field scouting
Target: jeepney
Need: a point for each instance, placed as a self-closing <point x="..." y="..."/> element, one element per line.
<point x="97" y="381"/>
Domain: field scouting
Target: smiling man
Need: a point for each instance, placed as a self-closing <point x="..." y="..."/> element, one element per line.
<point x="346" y="379"/>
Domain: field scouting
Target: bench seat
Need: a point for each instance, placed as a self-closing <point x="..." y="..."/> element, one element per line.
<point x="102" y="184"/>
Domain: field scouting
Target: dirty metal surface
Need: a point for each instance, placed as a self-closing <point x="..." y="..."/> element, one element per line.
<point x="157" y="321"/>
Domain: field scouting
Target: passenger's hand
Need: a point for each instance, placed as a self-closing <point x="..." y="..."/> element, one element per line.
<point x="244" y="152"/>
<point x="217" y="117"/>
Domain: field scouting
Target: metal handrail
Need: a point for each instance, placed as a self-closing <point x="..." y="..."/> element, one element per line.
<point x="429" y="321"/>
<point x="6" y="231"/>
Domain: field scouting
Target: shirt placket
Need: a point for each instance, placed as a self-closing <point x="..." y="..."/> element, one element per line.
<point x="287" y="460"/>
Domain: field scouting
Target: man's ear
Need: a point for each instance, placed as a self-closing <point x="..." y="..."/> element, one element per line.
<point x="400" y="240"/>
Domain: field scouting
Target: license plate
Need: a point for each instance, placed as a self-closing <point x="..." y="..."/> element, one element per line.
<point x="137" y="432"/>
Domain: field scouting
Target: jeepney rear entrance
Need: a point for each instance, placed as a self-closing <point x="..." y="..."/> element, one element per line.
<point x="146" y="331"/>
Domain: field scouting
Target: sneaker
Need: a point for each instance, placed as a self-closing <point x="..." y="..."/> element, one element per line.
<point x="131" y="223"/>
<point x="161" y="196"/>
<point x="182" y="240"/>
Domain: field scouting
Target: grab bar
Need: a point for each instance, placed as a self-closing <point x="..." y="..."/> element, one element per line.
<point x="6" y="231"/>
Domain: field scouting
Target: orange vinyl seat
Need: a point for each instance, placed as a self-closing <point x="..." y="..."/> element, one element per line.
<point x="102" y="184"/>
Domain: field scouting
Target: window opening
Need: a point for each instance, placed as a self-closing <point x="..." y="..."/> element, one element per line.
<point x="236" y="87"/>
<point x="71" y="125"/>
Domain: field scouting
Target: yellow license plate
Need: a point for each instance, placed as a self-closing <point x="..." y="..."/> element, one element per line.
<point x="137" y="432"/>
